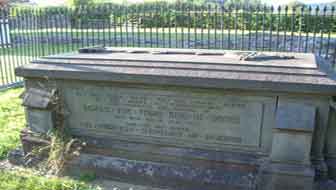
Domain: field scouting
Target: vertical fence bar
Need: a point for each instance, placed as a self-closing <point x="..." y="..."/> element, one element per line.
<point x="322" y="28"/>
<point x="57" y="30"/>
<point x="20" y="25"/>
<point x="126" y="25"/>
<point x="44" y="30"/>
<point x="41" y="31"/>
<point x="150" y="16"/>
<point x="222" y="19"/>
<point x="175" y="24"/>
<point x="278" y="29"/>
<point x="163" y="13"/>
<point x="202" y="26"/>
<point x="15" y="51"/>
<point x="28" y="33"/>
<point x="38" y="32"/>
<point x="285" y="29"/>
<point x="229" y="27"/>
<point x="250" y="13"/>
<point x="63" y="29"/>
<point x="50" y="39"/>
<point x="12" y="45"/>
<point x="181" y="23"/>
<point x="189" y="24"/>
<point x="17" y="56"/>
<point x="11" y="49"/>
<point x="331" y="17"/>
<point x="91" y="28"/>
<point x="131" y="21"/>
<point x="302" y="19"/>
<point x="308" y="28"/>
<point x="263" y="28"/>
<point x="115" y="42"/>
<point x="34" y="32"/>
<point x="271" y="29"/>
<point x="315" y="27"/>
<point x="68" y="30"/>
<point x="242" y="38"/>
<point x="144" y="9"/>
<point x="215" y="25"/>
<point x="293" y="15"/>
<point x="256" y="27"/>
<point x="235" y="26"/>
<point x="195" y="25"/>
<point x="3" y="61"/>
<point x="209" y="24"/>
<point x="103" y="25"/>
<point x="80" y="28"/>
<point x="109" y="29"/>
<point x="24" y="33"/>
<point x="86" y="12"/>
<point x="15" y="44"/>
<point x="95" y="26"/>
<point x="157" y="23"/>
<point x="139" y="24"/>
<point x="169" y="25"/>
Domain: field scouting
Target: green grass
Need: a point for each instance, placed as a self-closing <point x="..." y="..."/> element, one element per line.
<point x="12" y="120"/>
<point x="25" y="180"/>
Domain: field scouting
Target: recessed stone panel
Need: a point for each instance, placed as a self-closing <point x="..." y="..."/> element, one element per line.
<point x="165" y="116"/>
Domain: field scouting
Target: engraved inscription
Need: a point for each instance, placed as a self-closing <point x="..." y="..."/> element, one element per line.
<point x="175" y="117"/>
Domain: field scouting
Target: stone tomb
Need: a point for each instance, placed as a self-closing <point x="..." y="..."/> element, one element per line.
<point x="190" y="119"/>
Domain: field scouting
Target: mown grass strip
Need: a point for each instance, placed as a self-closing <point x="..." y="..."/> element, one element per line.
<point x="12" y="120"/>
<point x="14" y="180"/>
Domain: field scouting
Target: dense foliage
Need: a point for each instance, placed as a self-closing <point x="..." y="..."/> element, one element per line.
<point x="186" y="14"/>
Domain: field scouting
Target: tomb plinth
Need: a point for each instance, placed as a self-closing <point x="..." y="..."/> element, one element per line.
<point x="190" y="119"/>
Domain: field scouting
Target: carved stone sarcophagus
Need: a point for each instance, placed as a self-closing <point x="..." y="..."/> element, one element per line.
<point x="191" y="119"/>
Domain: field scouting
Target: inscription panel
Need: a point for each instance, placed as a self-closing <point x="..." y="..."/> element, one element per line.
<point x="164" y="116"/>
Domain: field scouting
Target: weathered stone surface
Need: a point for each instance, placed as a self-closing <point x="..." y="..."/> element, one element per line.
<point x="214" y="71"/>
<point x="294" y="116"/>
<point x="39" y="114"/>
<point x="40" y="121"/>
<point x="193" y="119"/>
<point x="287" y="177"/>
<point x="176" y="117"/>
<point x="293" y="132"/>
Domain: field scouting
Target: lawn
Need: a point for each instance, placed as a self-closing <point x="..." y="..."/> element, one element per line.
<point x="12" y="120"/>
<point x="26" y="180"/>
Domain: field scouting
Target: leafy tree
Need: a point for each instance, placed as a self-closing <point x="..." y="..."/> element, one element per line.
<point x="77" y="3"/>
<point x="240" y="3"/>
<point x="295" y="4"/>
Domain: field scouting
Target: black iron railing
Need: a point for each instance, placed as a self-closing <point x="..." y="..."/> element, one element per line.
<point x="27" y="33"/>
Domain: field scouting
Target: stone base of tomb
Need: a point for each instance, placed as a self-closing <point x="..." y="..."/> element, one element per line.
<point x="278" y="176"/>
<point x="181" y="168"/>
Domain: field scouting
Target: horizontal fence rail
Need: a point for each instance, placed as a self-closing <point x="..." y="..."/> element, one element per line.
<point x="28" y="33"/>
